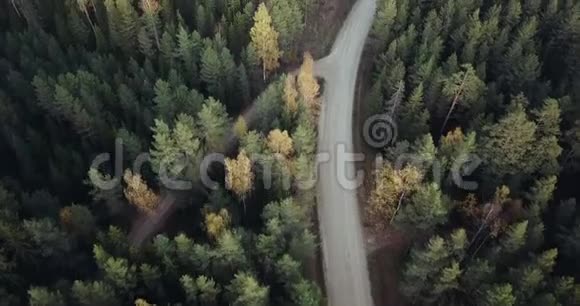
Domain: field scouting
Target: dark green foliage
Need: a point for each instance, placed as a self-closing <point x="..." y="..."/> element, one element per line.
<point x="496" y="76"/>
<point x="93" y="294"/>
<point x="158" y="76"/>
<point x="427" y="208"/>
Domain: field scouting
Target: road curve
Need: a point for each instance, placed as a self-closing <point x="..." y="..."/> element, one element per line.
<point x="345" y="264"/>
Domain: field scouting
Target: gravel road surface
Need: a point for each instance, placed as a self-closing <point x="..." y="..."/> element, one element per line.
<point x="345" y="263"/>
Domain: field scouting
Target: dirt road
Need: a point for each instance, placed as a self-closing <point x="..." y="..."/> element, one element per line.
<point x="345" y="263"/>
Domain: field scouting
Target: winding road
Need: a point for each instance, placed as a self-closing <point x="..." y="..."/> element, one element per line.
<point x="345" y="263"/>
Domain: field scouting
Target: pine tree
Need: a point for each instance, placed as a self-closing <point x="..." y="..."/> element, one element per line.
<point x="190" y="287"/>
<point x="240" y="127"/>
<point x="166" y="52"/>
<point x="150" y="16"/>
<point x="548" y="133"/>
<point x="78" y="28"/>
<point x="507" y="144"/>
<point x="243" y="85"/>
<point x="228" y="77"/>
<point x="214" y="123"/>
<point x="253" y="143"/>
<point x="515" y="238"/>
<point x="211" y="72"/>
<point x="455" y="147"/>
<point x="386" y="14"/>
<point x="188" y="52"/>
<point x="413" y="115"/>
<point x="229" y="254"/>
<point x="245" y="290"/>
<point x="118" y="272"/>
<point x="78" y="220"/>
<point x="48" y="239"/>
<point x="70" y="108"/>
<point x="93" y="294"/>
<point x="427" y="208"/>
<point x="265" y="40"/>
<point x="145" y="43"/>
<point x="287" y="270"/>
<point x="423" y="263"/>
<point x="498" y="295"/>
<point x="127" y="25"/>
<point x="288" y="20"/>
<point x="206" y="288"/>
<point x="305" y="293"/>
<point x="201" y="21"/>
<point x="113" y="19"/>
<point x="39" y="296"/>
<point x="83" y="6"/>
<point x="304" y="138"/>
<point x="464" y="87"/>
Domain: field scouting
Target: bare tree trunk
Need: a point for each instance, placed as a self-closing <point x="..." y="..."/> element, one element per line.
<point x="398" y="206"/>
<point x="484" y="223"/>
<point x="448" y="115"/>
<point x="15" y="7"/>
<point x="481" y="245"/>
<point x="90" y="21"/>
<point x="455" y="100"/>
<point x="156" y="36"/>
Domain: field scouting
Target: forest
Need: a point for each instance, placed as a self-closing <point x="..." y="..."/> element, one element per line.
<point x="496" y="82"/>
<point x="164" y="82"/>
<point x="480" y="183"/>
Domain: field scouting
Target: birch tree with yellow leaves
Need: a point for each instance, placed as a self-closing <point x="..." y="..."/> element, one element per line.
<point x="138" y="193"/>
<point x="265" y="40"/>
<point x="239" y="175"/>
<point x="280" y="142"/>
<point x="308" y="85"/>
<point x="290" y="94"/>
<point x="391" y="188"/>
<point x="216" y="223"/>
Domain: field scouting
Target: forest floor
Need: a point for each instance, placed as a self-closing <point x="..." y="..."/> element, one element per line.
<point x="323" y="25"/>
<point x="385" y="250"/>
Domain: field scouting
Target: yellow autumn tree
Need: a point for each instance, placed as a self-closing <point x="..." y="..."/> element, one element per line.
<point x="216" y="223"/>
<point x="308" y="85"/>
<point x="290" y="94"/>
<point x="280" y="142"/>
<point x="239" y="175"/>
<point x="265" y="40"/>
<point x="391" y="187"/>
<point x="142" y="302"/>
<point x="240" y="127"/>
<point x="138" y="194"/>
